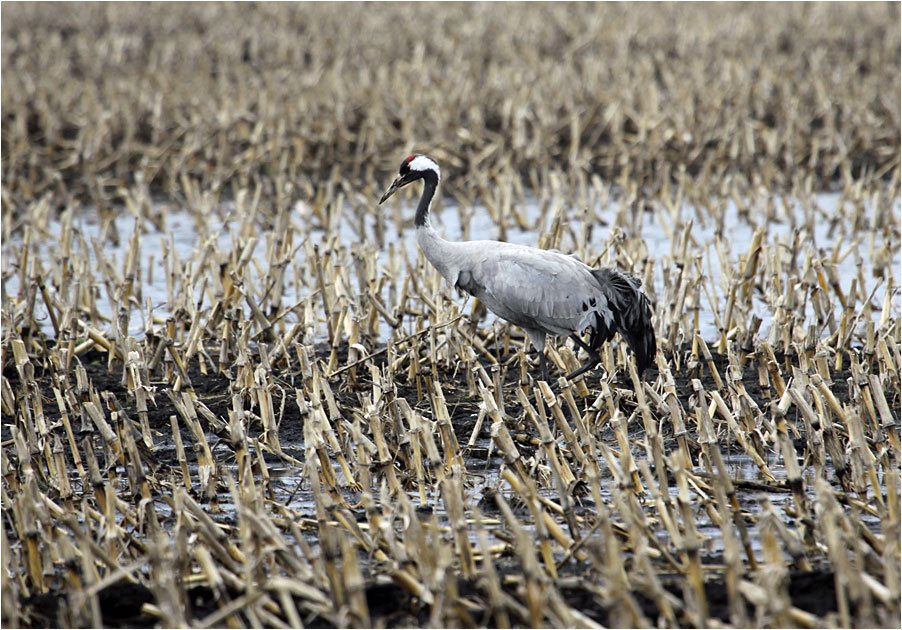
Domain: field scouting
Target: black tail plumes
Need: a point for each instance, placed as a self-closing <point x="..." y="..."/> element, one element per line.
<point x="632" y="316"/>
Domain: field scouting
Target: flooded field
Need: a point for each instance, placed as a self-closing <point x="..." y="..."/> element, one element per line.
<point x="821" y="224"/>
<point x="235" y="393"/>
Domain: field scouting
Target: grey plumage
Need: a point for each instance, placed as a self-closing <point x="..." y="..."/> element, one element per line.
<point x="541" y="291"/>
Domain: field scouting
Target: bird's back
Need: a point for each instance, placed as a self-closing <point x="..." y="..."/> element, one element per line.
<point x="530" y="287"/>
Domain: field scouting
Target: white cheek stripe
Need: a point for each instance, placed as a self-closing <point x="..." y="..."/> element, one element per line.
<point x="423" y="163"/>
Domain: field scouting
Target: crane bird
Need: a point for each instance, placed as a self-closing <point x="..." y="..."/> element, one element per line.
<point x="543" y="292"/>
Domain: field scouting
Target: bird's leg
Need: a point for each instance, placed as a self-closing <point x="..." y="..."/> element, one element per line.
<point x="544" y="362"/>
<point x="537" y="337"/>
<point x="594" y="358"/>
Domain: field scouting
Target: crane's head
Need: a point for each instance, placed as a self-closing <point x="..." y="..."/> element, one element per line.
<point x="413" y="168"/>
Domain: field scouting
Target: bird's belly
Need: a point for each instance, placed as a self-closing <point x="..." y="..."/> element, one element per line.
<point x="524" y="320"/>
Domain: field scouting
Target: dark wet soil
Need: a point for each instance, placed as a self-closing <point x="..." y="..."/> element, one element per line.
<point x="119" y="605"/>
<point x="215" y="391"/>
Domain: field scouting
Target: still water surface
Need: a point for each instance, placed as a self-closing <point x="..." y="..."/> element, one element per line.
<point x="823" y="224"/>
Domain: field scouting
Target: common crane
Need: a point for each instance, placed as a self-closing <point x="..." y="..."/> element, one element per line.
<point x="541" y="291"/>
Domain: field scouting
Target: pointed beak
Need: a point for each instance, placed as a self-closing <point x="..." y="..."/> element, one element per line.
<point x="395" y="185"/>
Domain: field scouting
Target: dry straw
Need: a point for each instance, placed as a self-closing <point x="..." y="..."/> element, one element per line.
<point x="310" y="429"/>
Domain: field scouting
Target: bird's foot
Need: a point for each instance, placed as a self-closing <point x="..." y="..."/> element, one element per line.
<point x="594" y="360"/>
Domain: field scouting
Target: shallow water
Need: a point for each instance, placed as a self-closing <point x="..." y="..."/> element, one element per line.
<point x="782" y="222"/>
<point x="291" y="489"/>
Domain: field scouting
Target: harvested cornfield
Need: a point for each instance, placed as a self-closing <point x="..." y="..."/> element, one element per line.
<point x="234" y="393"/>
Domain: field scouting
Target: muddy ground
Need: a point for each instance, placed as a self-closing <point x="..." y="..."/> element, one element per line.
<point x="391" y="606"/>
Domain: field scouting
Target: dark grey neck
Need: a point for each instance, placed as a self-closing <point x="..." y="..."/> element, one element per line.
<point x="430" y="183"/>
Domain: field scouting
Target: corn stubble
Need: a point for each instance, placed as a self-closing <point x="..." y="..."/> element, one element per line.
<point x="259" y="438"/>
